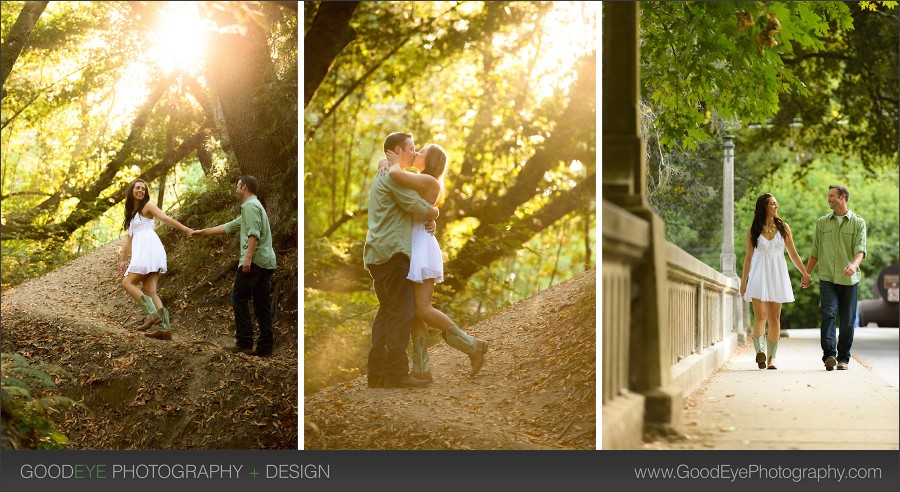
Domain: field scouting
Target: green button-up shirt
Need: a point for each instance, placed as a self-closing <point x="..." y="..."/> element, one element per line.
<point x="254" y="221"/>
<point x="834" y="246"/>
<point x="392" y="209"/>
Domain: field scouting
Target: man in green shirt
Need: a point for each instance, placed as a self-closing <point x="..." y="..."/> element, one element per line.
<point x="392" y="208"/>
<point x="839" y="246"/>
<point x="253" y="278"/>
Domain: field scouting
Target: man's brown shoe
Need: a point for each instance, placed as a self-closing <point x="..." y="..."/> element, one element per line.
<point x="406" y="382"/>
<point x="239" y="348"/>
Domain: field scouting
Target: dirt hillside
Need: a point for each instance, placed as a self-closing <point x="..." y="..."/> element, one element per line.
<point x="186" y="393"/>
<point x="537" y="388"/>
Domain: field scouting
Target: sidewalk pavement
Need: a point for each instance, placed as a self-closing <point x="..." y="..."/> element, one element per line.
<point x="798" y="406"/>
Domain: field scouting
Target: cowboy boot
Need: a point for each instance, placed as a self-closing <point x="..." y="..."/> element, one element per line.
<point x="421" y="363"/>
<point x="760" y="351"/>
<point x="151" y="314"/>
<point x="163" y="332"/>
<point x="771" y="347"/>
<point x="468" y="345"/>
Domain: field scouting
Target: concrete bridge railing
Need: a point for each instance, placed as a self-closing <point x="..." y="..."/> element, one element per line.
<point x="698" y="328"/>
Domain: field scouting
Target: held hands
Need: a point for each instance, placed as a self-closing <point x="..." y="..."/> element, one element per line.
<point x="195" y="233"/>
<point x="806" y="281"/>
<point x="430" y="227"/>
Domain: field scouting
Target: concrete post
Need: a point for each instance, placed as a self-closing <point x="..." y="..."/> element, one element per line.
<point x="727" y="259"/>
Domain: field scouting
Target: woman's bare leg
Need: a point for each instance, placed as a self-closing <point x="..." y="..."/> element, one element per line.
<point x="129" y="283"/>
<point x="425" y="311"/>
<point x="151" y="281"/>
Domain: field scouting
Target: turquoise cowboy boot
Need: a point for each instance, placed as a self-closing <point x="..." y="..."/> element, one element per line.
<point x="760" y="351"/>
<point x="163" y="332"/>
<point x="151" y="314"/>
<point x="420" y="362"/>
<point x="772" y="347"/>
<point x="468" y="345"/>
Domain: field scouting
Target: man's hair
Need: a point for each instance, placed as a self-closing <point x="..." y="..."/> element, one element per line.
<point x="395" y="139"/>
<point x="250" y="182"/>
<point x="842" y="190"/>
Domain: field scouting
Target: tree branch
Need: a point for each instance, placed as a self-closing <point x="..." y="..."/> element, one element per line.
<point x="490" y="242"/>
<point x="344" y="219"/>
<point x="330" y="111"/>
<point x="17" y="37"/>
<point x="106" y="177"/>
<point x="329" y="34"/>
<point x="87" y="211"/>
<point x="20" y="193"/>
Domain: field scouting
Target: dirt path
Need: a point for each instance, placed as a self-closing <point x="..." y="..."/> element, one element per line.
<point x="537" y="389"/>
<point x="145" y="393"/>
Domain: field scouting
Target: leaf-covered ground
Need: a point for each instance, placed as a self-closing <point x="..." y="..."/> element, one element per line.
<point x="537" y="388"/>
<point x="142" y="393"/>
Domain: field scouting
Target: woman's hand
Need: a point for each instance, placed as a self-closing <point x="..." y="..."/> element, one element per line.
<point x="743" y="287"/>
<point x="122" y="265"/>
<point x="392" y="157"/>
<point x="383" y="166"/>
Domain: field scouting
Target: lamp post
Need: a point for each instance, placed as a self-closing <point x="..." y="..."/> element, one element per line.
<point x="727" y="258"/>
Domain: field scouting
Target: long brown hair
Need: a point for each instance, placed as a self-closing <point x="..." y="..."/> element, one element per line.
<point x="759" y="219"/>
<point x="132" y="208"/>
<point x="435" y="165"/>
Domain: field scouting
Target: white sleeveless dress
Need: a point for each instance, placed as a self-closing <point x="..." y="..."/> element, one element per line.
<point x="768" y="279"/>
<point x="426" y="260"/>
<point x="147" y="252"/>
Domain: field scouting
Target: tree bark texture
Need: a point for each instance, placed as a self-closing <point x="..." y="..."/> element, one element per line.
<point x="18" y="36"/>
<point x="329" y="34"/>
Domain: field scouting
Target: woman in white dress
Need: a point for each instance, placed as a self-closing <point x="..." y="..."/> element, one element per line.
<point x="426" y="266"/>
<point x="765" y="281"/>
<point x="148" y="258"/>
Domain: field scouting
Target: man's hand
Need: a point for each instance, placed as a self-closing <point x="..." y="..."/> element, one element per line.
<point x="246" y="266"/>
<point x="197" y="233"/>
<point x="430" y="227"/>
<point x="850" y="270"/>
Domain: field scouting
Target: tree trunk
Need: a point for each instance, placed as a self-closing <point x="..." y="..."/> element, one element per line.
<point x="329" y="34"/>
<point x="17" y="37"/>
<point x="241" y="72"/>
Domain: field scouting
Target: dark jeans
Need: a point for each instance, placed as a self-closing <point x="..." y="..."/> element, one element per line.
<point x="837" y="300"/>
<point x="390" y="330"/>
<point x="257" y="285"/>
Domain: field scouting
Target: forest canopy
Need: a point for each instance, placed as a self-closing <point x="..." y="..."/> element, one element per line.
<point x="185" y="95"/>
